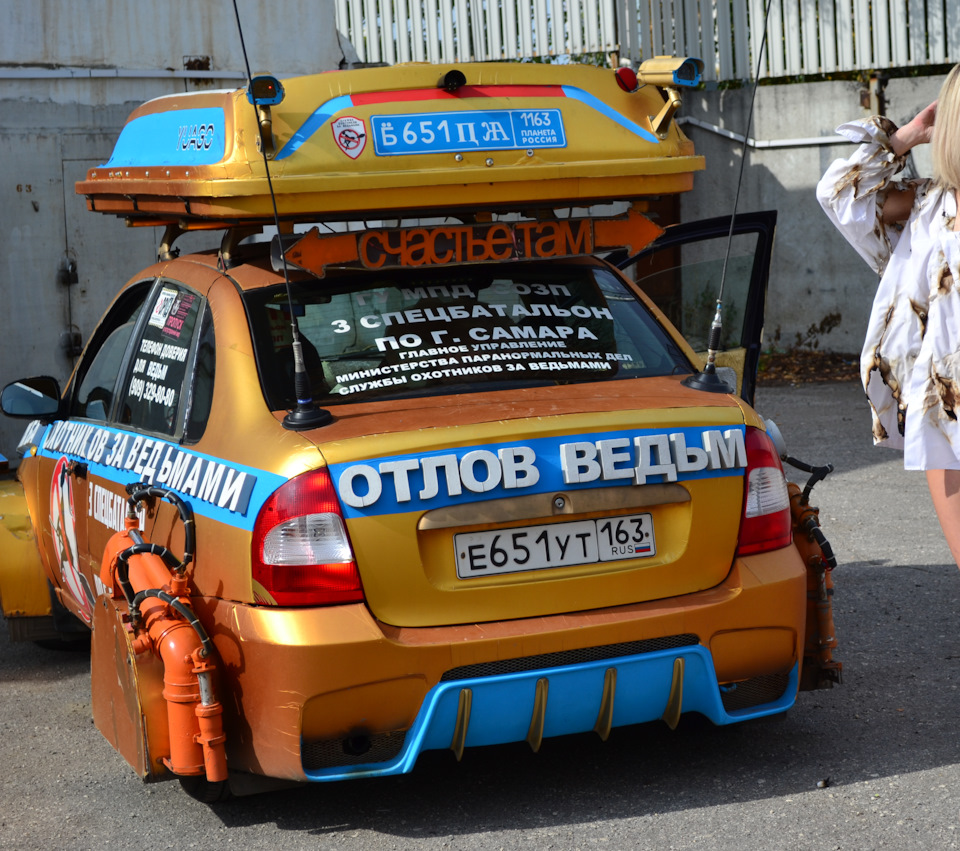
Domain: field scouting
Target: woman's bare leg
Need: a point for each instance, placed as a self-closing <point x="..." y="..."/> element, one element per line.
<point x="945" y="490"/>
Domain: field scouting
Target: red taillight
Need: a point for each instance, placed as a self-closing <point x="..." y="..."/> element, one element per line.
<point x="766" y="523"/>
<point x="301" y="552"/>
<point x="627" y="79"/>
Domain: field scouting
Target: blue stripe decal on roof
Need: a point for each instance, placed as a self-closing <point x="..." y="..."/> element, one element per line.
<point x="327" y="110"/>
<point x="321" y="115"/>
<point x="598" y="105"/>
<point x="182" y="137"/>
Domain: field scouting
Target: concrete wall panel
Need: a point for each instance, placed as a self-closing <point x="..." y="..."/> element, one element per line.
<point x="285" y="37"/>
<point x="815" y="272"/>
<point x="60" y="119"/>
<point x="32" y="235"/>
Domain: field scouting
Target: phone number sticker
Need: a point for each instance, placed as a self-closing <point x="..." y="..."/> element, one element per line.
<point x="445" y="132"/>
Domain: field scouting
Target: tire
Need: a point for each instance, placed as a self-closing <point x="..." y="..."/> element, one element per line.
<point x="66" y="632"/>
<point x="70" y="642"/>
<point x="201" y="789"/>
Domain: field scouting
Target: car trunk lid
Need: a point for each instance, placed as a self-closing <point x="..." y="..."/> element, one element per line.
<point x="497" y="513"/>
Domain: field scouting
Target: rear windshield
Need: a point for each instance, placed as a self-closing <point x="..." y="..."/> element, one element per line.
<point x="369" y="336"/>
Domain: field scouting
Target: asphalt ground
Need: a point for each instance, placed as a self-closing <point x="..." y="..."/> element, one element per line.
<point x="874" y="763"/>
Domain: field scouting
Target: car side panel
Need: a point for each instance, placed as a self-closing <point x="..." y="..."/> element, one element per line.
<point x="23" y="584"/>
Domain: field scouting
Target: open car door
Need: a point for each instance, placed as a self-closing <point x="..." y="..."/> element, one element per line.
<point x="682" y="270"/>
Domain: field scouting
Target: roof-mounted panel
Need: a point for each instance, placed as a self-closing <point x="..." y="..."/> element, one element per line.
<point x="410" y="139"/>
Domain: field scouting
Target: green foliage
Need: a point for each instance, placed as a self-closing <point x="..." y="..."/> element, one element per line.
<point x="598" y="59"/>
<point x="811" y="339"/>
<point x="806" y="340"/>
<point x="698" y="315"/>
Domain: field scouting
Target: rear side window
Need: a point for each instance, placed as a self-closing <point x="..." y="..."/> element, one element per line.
<point x="201" y="396"/>
<point x="151" y="394"/>
<point x="434" y="331"/>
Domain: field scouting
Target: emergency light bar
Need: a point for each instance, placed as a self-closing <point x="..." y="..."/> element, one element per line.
<point x="665" y="71"/>
<point x="265" y="91"/>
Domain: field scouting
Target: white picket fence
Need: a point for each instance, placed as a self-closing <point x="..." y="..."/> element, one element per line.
<point x="803" y="36"/>
<point x="476" y="30"/>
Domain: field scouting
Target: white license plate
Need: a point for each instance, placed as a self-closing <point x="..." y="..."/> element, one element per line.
<point x="554" y="545"/>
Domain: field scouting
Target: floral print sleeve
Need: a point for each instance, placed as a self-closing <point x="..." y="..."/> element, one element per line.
<point x="853" y="190"/>
<point x="910" y="363"/>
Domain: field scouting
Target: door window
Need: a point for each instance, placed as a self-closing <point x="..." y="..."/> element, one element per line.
<point x="682" y="272"/>
<point x="103" y="363"/>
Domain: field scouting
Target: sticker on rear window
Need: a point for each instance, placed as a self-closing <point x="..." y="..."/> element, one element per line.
<point x="163" y="306"/>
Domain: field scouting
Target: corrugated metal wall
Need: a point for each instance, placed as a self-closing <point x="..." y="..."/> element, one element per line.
<point x="803" y="36"/>
<point x="393" y="31"/>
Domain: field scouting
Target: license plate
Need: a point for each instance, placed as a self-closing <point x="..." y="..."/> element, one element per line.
<point x="554" y="545"/>
<point x="455" y="132"/>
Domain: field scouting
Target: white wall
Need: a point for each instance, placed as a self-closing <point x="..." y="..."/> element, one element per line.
<point x="815" y="272"/>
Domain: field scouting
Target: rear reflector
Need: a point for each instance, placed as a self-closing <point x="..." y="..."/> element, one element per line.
<point x="308" y="539"/>
<point x="766" y="523"/>
<point x="301" y="553"/>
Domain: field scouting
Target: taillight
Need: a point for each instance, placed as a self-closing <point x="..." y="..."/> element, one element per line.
<point x="627" y="79"/>
<point x="301" y="552"/>
<point x="766" y="523"/>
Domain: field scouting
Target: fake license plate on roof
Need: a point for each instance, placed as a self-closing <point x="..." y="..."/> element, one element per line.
<point x="449" y="132"/>
<point x="554" y="545"/>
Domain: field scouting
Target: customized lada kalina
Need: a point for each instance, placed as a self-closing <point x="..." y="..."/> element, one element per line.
<point x="334" y="498"/>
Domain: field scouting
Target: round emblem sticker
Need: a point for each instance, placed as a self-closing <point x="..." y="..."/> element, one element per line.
<point x="350" y="134"/>
<point x="63" y="522"/>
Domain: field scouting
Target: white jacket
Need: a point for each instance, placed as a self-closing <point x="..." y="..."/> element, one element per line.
<point x="910" y="365"/>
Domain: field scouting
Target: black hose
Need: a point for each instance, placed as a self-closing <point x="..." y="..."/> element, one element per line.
<point x="188" y="614"/>
<point x="817" y="474"/>
<point x="169" y="559"/>
<point x="139" y="491"/>
<point x="825" y="547"/>
<point x="123" y="567"/>
<point x="814" y="531"/>
<point x="123" y="571"/>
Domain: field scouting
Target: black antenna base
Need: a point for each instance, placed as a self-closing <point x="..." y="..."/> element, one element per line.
<point x="708" y="381"/>
<point x="305" y="417"/>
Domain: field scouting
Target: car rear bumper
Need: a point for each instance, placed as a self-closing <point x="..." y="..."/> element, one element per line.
<point x="539" y="704"/>
<point x="329" y="694"/>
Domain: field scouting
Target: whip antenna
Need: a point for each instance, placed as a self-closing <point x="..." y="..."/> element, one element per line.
<point x="264" y="92"/>
<point x="707" y="379"/>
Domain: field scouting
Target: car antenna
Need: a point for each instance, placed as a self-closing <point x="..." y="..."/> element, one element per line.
<point x="265" y="91"/>
<point x="707" y="379"/>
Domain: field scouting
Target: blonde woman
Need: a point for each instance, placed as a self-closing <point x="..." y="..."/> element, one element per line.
<point x="909" y="233"/>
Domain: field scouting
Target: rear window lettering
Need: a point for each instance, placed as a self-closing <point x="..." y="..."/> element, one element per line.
<point x="457" y="330"/>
